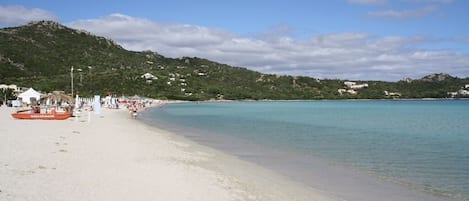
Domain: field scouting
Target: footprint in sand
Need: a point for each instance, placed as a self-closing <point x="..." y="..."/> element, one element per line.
<point x="44" y="168"/>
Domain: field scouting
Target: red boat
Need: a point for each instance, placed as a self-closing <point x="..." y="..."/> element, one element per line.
<point x="34" y="114"/>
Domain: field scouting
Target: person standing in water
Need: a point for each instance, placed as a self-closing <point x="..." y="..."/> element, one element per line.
<point x="133" y="111"/>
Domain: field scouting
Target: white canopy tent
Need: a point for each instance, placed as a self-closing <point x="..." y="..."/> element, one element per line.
<point x="29" y="95"/>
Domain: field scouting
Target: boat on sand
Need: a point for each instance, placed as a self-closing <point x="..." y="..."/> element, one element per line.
<point x="35" y="113"/>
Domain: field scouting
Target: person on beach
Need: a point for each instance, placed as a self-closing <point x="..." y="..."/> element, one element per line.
<point x="133" y="111"/>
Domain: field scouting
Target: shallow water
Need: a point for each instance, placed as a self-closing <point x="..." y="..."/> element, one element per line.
<point x="335" y="145"/>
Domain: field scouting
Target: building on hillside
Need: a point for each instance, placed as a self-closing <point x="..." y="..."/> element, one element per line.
<point x="463" y="92"/>
<point x="359" y="86"/>
<point x="452" y="94"/>
<point x="349" y="84"/>
<point x="350" y="91"/>
<point x="354" y="85"/>
<point x="13" y="87"/>
<point x="149" y="77"/>
<point x="392" y="94"/>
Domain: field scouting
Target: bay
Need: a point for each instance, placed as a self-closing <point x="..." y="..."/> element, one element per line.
<point x="420" y="145"/>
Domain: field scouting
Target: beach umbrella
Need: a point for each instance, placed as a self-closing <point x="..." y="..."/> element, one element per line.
<point x="56" y="97"/>
<point x="136" y="97"/>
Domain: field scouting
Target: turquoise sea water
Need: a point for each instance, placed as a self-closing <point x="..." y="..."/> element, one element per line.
<point x="420" y="145"/>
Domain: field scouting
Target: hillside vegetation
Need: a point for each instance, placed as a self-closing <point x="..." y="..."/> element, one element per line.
<point x="41" y="55"/>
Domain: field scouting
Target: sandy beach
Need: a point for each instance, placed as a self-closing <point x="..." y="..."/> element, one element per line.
<point x="114" y="157"/>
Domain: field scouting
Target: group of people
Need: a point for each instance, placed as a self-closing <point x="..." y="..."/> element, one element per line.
<point x="134" y="107"/>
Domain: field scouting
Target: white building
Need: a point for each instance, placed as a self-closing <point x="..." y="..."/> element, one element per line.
<point x="453" y="94"/>
<point x="11" y="86"/>
<point x="354" y="85"/>
<point x="392" y="94"/>
<point x="349" y="84"/>
<point x="463" y="92"/>
<point x="149" y="76"/>
<point x="359" y="86"/>
<point x="350" y="91"/>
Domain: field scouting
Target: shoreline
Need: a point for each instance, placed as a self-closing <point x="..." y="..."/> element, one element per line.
<point x="318" y="100"/>
<point x="114" y="157"/>
<point x="340" y="181"/>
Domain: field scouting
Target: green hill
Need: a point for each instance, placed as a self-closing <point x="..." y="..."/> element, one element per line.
<point x="41" y="55"/>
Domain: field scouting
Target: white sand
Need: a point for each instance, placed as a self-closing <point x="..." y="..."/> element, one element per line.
<point x="114" y="158"/>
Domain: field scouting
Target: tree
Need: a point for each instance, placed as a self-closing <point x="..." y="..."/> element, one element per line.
<point x="7" y="94"/>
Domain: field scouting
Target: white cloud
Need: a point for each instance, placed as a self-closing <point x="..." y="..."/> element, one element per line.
<point x="16" y="15"/>
<point x="368" y="2"/>
<point x="404" y="14"/>
<point x="337" y="55"/>
<point x="138" y="34"/>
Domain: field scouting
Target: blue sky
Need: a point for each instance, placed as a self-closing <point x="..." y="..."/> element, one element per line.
<point x="347" y="39"/>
